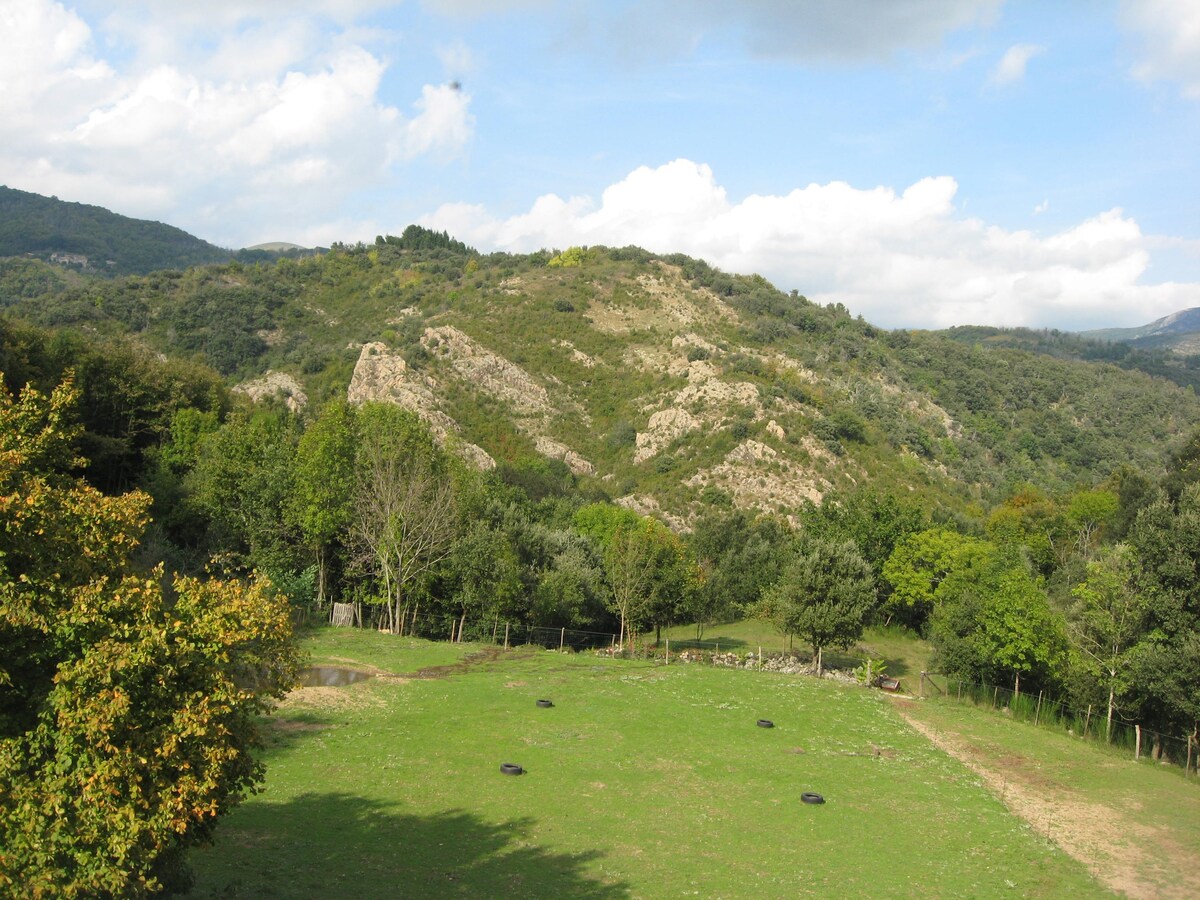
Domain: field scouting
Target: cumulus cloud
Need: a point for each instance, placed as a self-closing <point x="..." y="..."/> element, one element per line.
<point x="1012" y="65"/>
<point x="290" y="132"/>
<point x="1170" y="35"/>
<point x="900" y="259"/>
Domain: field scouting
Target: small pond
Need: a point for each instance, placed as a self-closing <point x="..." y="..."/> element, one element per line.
<point x="331" y="676"/>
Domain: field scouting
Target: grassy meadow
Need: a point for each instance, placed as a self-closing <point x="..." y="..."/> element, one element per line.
<point x="642" y="781"/>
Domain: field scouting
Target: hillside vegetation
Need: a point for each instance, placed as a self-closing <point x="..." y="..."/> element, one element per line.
<point x="666" y="380"/>
<point x="94" y="239"/>
<point x="603" y="440"/>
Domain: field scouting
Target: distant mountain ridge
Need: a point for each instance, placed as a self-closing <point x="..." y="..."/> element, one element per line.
<point x="1180" y="332"/>
<point x="94" y="239"/>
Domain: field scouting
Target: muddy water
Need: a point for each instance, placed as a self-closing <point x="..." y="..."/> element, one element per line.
<point x="331" y="676"/>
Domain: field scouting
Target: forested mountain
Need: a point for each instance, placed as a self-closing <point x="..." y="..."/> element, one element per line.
<point x="92" y="239"/>
<point x="657" y="378"/>
<point x="1179" y="332"/>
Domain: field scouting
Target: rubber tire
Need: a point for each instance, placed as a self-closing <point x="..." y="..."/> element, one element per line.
<point x="511" y="769"/>
<point x="765" y="723"/>
<point x="810" y="797"/>
<point x="545" y="704"/>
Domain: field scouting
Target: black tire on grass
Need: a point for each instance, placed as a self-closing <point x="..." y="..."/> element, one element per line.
<point x="765" y="723"/>
<point x="810" y="797"/>
<point x="545" y="704"/>
<point x="511" y="769"/>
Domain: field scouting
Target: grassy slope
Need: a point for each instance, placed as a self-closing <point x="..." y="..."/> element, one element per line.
<point x="1138" y="822"/>
<point x="642" y="781"/>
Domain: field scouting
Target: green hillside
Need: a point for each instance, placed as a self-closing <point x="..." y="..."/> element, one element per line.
<point x="92" y="239"/>
<point x="661" y="378"/>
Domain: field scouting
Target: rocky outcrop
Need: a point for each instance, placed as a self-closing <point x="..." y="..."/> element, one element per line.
<point x="555" y="450"/>
<point x="275" y="384"/>
<point x="487" y="372"/>
<point x="664" y="426"/>
<point x="383" y="376"/>
<point x="757" y="475"/>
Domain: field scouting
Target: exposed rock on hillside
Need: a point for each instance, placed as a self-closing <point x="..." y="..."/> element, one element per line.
<point x="555" y="450"/>
<point x="664" y="427"/>
<point x="488" y="372"/>
<point x="757" y="475"/>
<point x="383" y="376"/>
<point x="275" y="384"/>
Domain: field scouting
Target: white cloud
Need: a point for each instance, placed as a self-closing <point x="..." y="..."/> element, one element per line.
<point x="1041" y="207"/>
<point x="286" y="135"/>
<point x="907" y="259"/>
<point x="1170" y="36"/>
<point x="1012" y="65"/>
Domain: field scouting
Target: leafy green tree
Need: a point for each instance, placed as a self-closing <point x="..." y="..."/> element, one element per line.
<point x="993" y="622"/>
<point x="629" y="562"/>
<point x="1029" y="519"/>
<point x="1090" y="513"/>
<point x="243" y="481"/>
<point x="321" y="505"/>
<point x="1107" y="621"/>
<point x="824" y="595"/>
<point x="921" y="563"/>
<point x="571" y="590"/>
<point x="127" y="718"/>
<point x="1166" y="537"/>
<point x="874" y="520"/>
<point x="737" y="557"/>
<point x="486" y="575"/>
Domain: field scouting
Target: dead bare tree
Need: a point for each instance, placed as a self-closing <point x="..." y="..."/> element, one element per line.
<point x="404" y="522"/>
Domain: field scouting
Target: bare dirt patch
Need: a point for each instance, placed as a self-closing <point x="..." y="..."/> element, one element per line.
<point x="348" y="697"/>
<point x="1109" y="843"/>
<point x="468" y="662"/>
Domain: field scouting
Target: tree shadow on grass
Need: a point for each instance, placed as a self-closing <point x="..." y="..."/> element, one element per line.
<point x="335" y="845"/>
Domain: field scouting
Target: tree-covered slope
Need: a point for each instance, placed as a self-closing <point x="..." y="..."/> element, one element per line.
<point x="660" y="379"/>
<point x="94" y="239"/>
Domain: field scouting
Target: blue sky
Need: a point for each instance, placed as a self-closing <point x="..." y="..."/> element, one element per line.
<point x="924" y="162"/>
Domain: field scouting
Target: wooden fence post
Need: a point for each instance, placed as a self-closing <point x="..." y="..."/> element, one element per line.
<point x="868" y="672"/>
<point x="561" y="638"/>
<point x="995" y="696"/>
<point x="1137" y="749"/>
<point x="505" y="635"/>
<point x="760" y="656"/>
<point x="1187" y="767"/>
<point x="921" y="691"/>
<point x="668" y="650"/>
<point x="1037" y="715"/>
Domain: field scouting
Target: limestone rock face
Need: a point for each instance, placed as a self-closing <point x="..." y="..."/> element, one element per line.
<point x="275" y="384"/>
<point x="383" y="376"/>
<point x="664" y="426"/>
<point x="486" y="371"/>
<point x="756" y="475"/>
<point x="556" y="450"/>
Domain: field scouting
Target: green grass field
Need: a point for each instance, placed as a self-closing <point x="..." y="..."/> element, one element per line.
<point x="642" y="781"/>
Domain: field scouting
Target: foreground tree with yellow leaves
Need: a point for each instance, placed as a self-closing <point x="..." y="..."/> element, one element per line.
<point x="127" y="707"/>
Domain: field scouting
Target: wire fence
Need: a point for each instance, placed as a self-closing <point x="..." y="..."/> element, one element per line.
<point x="1090" y="724"/>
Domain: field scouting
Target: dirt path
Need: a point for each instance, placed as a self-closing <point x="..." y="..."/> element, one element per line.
<point x="470" y="661"/>
<point x="1127" y="856"/>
